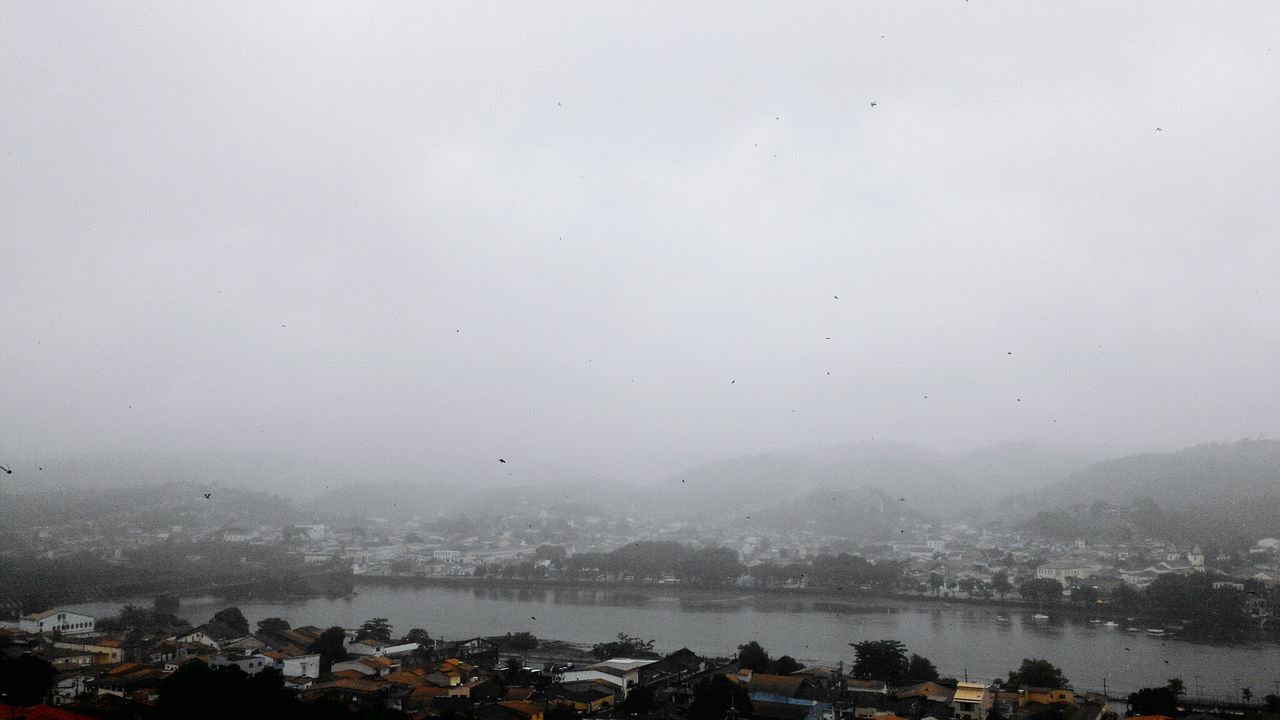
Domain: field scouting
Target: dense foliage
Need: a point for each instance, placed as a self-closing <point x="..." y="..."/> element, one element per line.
<point x="1035" y="672"/>
<point x="656" y="559"/>
<point x="888" y="660"/>
<point x="624" y="646"/>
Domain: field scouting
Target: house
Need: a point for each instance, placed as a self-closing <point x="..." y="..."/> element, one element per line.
<point x="250" y="664"/>
<point x="301" y="665"/>
<point x="477" y="651"/>
<point x="767" y="710"/>
<point x="1064" y="571"/>
<point x="371" y="666"/>
<point x="41" y="712"/>
<point x="679" y="664"/>
<point x="58" y="620"/>
<point x="106" y="651"/>
<point x="878" y="687"/>
<point x="972" y="701"/>
<point x="131" y="680"/>
<point x="71" y="685"/>
<point x="377" y="648"/>
<point x="763" y="686"/>
<point x="587" y="697"/>
<point x="928" y="691"/>
<point x="580" y="676"/>
<point x="451" y="672"/>
<point x="1046" y="696"/>
<point x="510" y="710"/>
<point x="63" y="659"/>
<point x="215" y="634"/>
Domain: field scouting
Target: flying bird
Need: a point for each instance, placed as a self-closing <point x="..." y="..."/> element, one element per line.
<point x="732" y="382"/>
<point x="1158" y="130"/>
<point x="6" y="470"/>
<point x="873" y="103"/>
<point x="206" y="495"/>
<point x="504" y="462"/>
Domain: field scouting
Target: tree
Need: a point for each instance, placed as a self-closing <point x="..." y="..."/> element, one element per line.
<point x="713" y="698"/>
<point x="1000" y="584"/>
<point x="197" y="692"/>
<point x="232" y="618"/>
<point x="1084" y="594"/>
<point x="936" y="581"/>
<point x="513" y="670"/>
<point x="1041" y="590"/>
<point x="523" y="641"/>
<point x="1273" y="703"/>
<point x="1246" y="695"/>
<point x="753" y="657"/>
<point x="375" y="629"/>
<point x="1154" y="701"/>
<point x="639" y="701"/>
<point x="624" y="646"/>
<point x="273" y="625"/>
<point x="1176" y="687"/>
<point x="920" y="669"/>
<point x="1037" y="673"/>
<point x="880" y="660"/>
<point x="25" y="680"/>
<point x="332" y="647"/>
<point x="418" y="635"/>
<point x="786" y="665"/>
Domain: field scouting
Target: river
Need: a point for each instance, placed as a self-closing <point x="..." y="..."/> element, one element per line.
<point x="960" y="640"/>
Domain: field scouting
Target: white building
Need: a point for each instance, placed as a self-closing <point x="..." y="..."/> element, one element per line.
<point x="300" y="665"/>
<point x="63" y="621"/>
<point x="250" y="664"/>
<point x="1065" y="571"/>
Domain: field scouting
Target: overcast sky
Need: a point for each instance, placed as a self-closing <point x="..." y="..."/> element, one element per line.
<point x="611" y="236"/>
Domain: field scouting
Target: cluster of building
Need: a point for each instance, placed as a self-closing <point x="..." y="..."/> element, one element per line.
<point x="468" y="678"/>
<point x="422" y="679"/>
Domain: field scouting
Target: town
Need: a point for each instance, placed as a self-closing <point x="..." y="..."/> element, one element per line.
<point x="134" y="550"/>
<point x="63" y="664"/>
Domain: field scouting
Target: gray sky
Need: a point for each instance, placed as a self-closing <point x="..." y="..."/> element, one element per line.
<point x="429" y="235"/>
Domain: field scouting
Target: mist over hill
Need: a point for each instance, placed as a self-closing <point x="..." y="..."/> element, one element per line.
<point x="1224" y="495"/>
<point x="722" y="491"/>
<point x="1183" y="479"/>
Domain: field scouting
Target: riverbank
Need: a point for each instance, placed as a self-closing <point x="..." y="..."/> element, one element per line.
<point x="735" y="593"/>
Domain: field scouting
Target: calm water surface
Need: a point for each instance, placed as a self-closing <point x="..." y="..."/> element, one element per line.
<point x="959" y="640"/>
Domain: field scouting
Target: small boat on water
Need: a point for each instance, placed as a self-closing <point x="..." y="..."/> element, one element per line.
<point x="1040" y="617"/>
<point x="1001" y="618"/>
<point x="1111" y="623"/>
<point x="1133" y="629"/>
<point x="946" y="605"/>
<point x="1094" y="621"/>
<point x="1155" y="631"/>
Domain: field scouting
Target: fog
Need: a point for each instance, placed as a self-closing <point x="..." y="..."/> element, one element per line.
<point x="612" y="241"/>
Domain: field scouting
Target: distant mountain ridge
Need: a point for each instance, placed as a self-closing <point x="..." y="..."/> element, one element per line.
<point x="1209" y="473"/>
